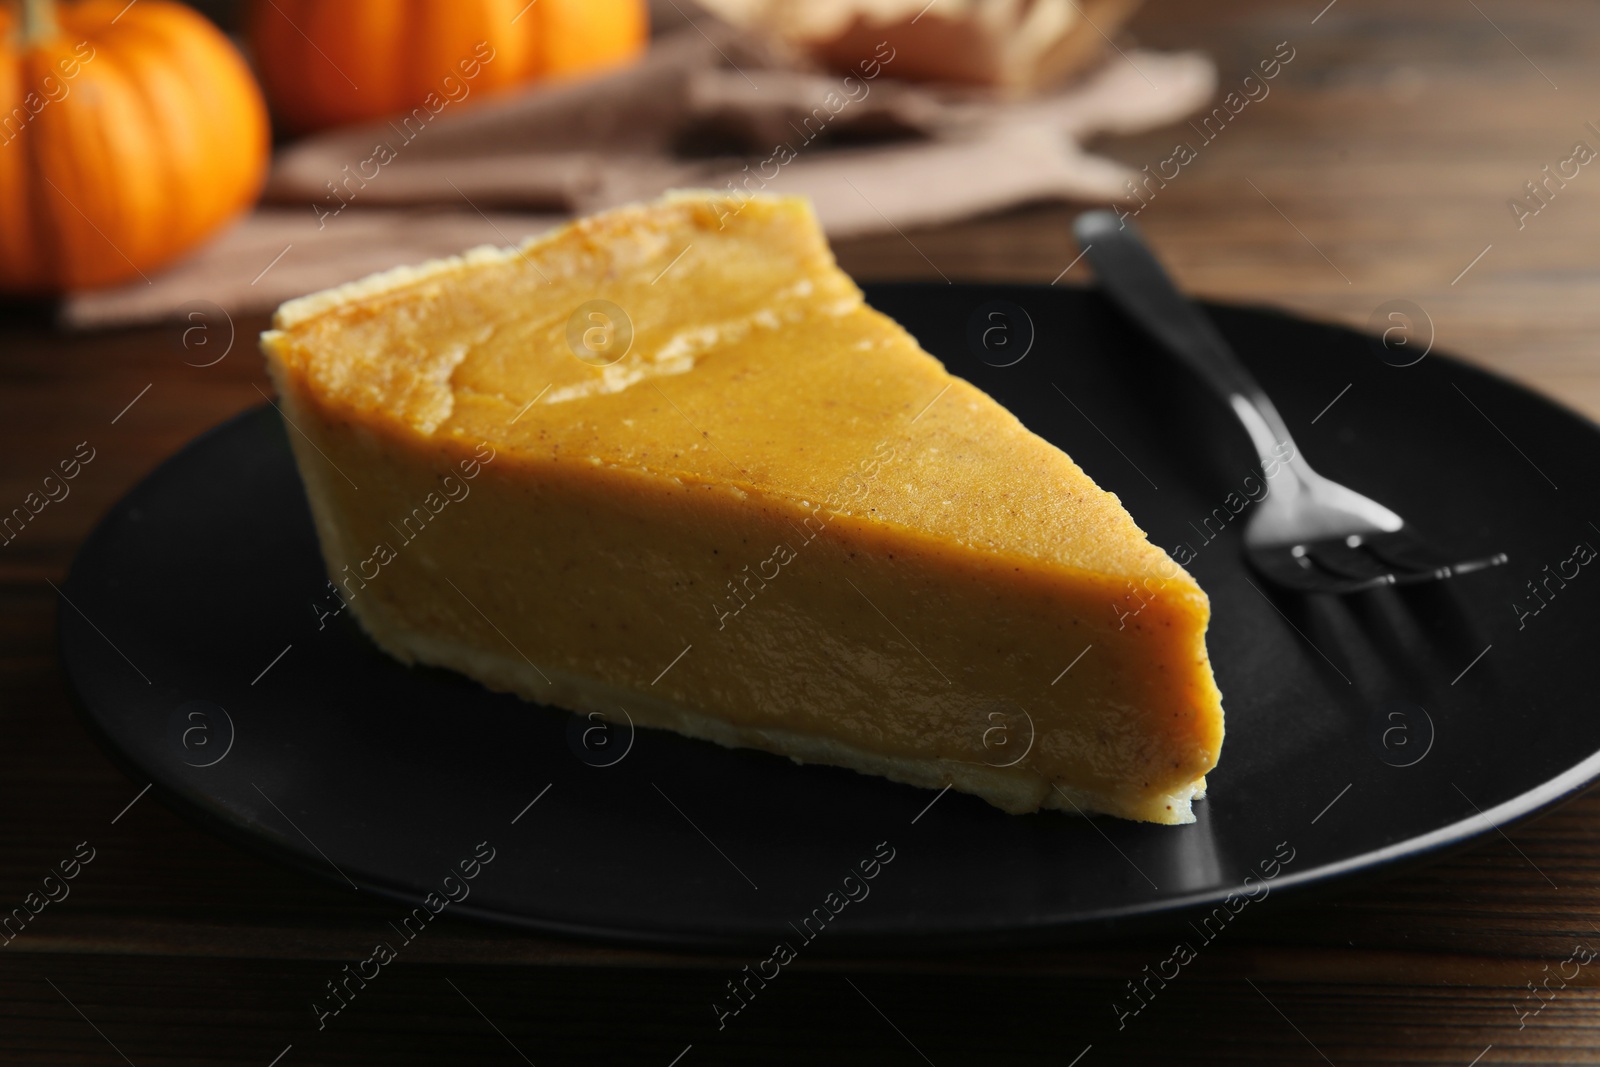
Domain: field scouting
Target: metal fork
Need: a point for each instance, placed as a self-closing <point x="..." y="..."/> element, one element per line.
<point x="1308" y="533"/>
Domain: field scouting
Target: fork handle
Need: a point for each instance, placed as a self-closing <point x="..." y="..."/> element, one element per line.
<point x="1136" y="283"/>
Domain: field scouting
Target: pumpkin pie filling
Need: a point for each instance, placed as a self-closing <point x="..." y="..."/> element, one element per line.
<point x="742" y="505"/>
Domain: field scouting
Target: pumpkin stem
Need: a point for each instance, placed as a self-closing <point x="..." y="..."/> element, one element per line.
<point x="38" y="21"/>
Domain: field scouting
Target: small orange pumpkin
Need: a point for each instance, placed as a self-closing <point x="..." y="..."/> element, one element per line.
<point x="128" y="134"/>
<point x="330" y="62"/>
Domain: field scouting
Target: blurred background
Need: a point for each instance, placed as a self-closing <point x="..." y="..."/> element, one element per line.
<point x="1332" y="157"/>
<point x="370" y="132"/>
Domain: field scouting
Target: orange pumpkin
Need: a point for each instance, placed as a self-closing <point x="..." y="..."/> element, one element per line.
<point x="330" y="62"/>
<point x="128" y="134"/>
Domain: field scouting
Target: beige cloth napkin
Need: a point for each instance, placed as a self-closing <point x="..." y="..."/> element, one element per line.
<point x="872" y="154"/>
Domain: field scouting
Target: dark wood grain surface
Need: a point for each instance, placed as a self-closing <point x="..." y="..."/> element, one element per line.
<point x="1379" y="168"/>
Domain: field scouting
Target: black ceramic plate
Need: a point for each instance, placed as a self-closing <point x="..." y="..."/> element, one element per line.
<point x="1360" y="732"/>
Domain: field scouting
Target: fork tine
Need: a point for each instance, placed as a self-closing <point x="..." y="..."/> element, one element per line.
<point x="1405" y="550"/>
<point x="1282" y="567"/>
<point x="1350" y="561"/>
<point x="1418" y="561"/>
<point x="1334" y="566"/>
<point x="1482" y="563"/>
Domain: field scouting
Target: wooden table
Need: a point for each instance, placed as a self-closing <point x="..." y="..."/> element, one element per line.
<point x="1379" y="168"/>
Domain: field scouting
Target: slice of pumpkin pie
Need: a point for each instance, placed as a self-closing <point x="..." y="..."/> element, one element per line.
<point x="666" y="460"/>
